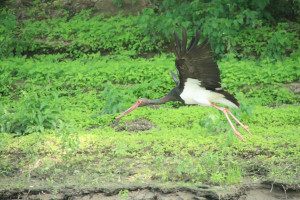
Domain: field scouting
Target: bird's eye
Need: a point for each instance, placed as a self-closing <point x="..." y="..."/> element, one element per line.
<point x="139" y="101"/>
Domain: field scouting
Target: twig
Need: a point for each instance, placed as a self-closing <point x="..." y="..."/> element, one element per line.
<point x="27" y="194"/>
<point x="285" y="189"/>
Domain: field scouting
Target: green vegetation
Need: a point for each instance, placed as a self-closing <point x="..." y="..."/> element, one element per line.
<point x="48" y="89"/>
<point x="228" y="23"/>
<point x="75" y="36"/>
<point x="68" y="106"/>
<point x="246" y="29"/>
<point x="184" y="151"/>
<point x="64" y="80"/>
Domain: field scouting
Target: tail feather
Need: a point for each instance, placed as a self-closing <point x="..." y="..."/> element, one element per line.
<point x="229" y="97"/>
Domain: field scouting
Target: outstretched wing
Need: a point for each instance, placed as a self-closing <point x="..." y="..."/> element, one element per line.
<point x="196" y="62"/>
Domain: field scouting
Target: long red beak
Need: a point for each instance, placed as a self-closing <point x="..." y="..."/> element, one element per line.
<point x="136" y="105"/>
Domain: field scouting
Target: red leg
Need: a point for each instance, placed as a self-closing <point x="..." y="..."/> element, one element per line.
<point x="225" y="111"/>
<point x="242" y="125"/>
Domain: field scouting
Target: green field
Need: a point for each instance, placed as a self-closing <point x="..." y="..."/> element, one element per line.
<point x="63" y="83"/>
<point x="60" y="109"/>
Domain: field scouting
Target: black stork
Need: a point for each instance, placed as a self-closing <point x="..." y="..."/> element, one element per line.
<point x="199" y="80"/>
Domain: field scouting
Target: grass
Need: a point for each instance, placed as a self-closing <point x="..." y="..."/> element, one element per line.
<point x="75" y="139"/>
<point x="171" y="152"/>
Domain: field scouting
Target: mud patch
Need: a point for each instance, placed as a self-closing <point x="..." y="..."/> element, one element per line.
<point x="142" y="195"/>
<point x="270" y="192"/>
<point x="137" y="125"/>
<point x="244" y="192"/>
<point x="293" y="87"/>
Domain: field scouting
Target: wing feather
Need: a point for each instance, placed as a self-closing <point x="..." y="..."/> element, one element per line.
<point x="195" y="42"/>
<point x="178" y="45"/>
<point x="191" y="43"/>
<point x="197" y="62"/>
<point x="174" y="78"/>
<point x="184" y="41"/>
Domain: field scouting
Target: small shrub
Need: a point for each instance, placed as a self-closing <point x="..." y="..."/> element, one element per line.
<point x="117" y="99"/>
<point x="9" y="29"/>
<point x="34" y="113"/>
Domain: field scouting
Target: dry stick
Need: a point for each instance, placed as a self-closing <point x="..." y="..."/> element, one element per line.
<point x="272" y="187"/>
<point x="27" y="194"/>
<point x="285" y="189"/>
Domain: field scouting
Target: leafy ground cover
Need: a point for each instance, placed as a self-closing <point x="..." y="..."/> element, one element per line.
<point x="173" y="151"/>
<point x="49" y="91"/>
<point x="65" y="77"/>
<point x="64" y="111"/>
<point x="251" y="29"/>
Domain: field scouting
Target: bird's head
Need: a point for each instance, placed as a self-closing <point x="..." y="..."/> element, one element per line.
<point x="140" y="103"/>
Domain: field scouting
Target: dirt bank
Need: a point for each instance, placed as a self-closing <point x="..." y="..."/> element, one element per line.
<point x="113" y="191"/>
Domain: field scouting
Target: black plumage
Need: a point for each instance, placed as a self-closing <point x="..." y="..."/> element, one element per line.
<point x="197" y="62"/>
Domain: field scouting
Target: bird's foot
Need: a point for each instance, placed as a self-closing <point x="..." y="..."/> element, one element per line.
<point x="225" y="111"/>
<point x="239" y="135"/>
<point x="246" y="128"/>
<point x="240" y="123"/>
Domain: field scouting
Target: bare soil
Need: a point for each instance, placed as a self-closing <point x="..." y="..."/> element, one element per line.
<point x="137" y="125"/>
<point x="156" y="191"/>
<point x="56" y="8"/>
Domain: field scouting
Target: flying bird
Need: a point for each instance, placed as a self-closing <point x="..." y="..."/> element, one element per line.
<point x="199" y="80"/>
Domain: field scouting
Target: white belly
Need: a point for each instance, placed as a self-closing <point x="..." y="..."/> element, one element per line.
<point x="193" y="93"/>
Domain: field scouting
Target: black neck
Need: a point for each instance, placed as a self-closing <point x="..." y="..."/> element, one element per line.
<point x="173" y="95"/>
<point x="159" y="101"/>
